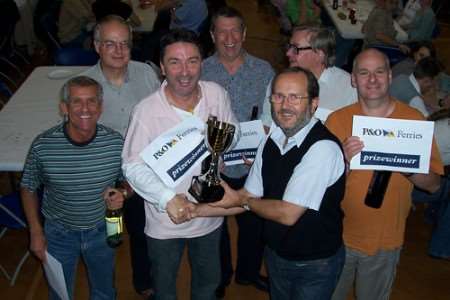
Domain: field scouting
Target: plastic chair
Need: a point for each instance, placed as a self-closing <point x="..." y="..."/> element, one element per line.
<point x="12" y="217"/>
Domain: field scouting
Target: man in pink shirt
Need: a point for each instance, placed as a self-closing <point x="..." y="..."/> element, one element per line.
<point x="168" y="228"/>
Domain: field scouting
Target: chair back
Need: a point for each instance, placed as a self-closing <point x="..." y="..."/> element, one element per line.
<point x="75" y="57"/>
<point x="11" y="211"/>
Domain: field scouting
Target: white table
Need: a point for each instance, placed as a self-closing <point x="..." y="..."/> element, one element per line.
<point x="147" y="17"/>
<point x="363" y="9"/>
<point x="30" y="111"/>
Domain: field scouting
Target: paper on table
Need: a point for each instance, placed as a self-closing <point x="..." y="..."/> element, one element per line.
<point x="55" y="276"/>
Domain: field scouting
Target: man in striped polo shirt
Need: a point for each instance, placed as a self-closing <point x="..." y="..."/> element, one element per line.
<point x="76" y="163"/>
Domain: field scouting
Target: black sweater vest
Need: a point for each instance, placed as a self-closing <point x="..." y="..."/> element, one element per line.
<point x="316" y="234"/>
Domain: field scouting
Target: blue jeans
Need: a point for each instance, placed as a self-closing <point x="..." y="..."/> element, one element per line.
<point x="311" y="279"/>
<point x="66" y="245"/>
<point x="203" y="252"/>
<point x="439" y="203"/>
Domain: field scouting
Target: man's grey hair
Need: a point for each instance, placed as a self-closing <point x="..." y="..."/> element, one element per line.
<point x="385" y="58"/>
<point x="80" y="81"/>
<point x="322" y="39"/>
<point x="111" y="19"/>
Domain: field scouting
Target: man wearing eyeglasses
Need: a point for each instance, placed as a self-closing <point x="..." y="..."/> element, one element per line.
<point x="125" y="83"/>
<point x="314" y="48"/>
<point x="296" y="185"/>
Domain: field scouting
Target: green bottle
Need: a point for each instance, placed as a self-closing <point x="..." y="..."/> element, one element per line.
<point x="114" y="227"/>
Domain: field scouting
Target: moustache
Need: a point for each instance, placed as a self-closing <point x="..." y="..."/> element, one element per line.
<point x="286" y="111"/>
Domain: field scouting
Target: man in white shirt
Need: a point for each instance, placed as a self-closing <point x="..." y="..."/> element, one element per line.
<point x="313" y="48"/>
<point x="296" y="185"/>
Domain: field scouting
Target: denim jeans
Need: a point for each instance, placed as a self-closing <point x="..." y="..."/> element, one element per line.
<point x="66" y="245"/>
<point x="203" y="252"/>
<point x="439" y="204"/>
<point x="307" y="279"/>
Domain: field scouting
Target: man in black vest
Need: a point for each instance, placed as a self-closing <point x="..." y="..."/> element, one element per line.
<point x="296" y="184"/>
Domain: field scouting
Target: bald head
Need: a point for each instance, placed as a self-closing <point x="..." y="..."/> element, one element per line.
<point x="371" y="53"/>
<point x="372" y="76"/>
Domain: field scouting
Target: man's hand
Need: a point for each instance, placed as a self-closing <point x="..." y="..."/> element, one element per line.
<point x="113" y="198"/>
<point x="352" y="146"/>
<point x="231" y="198"/>
<point x="179" y="209"/>
<point x="38" y="245"/>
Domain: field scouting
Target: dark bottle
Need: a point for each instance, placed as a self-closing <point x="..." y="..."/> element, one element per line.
<point x="254" y="113"/>
<point x="335" y="4"/>
<point x="377" y="188"/>
<point x="114" y="227"/>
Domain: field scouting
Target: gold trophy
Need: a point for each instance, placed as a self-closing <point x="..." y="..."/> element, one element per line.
<point x="219" y="135"/>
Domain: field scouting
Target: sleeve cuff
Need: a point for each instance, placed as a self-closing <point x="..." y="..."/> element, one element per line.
<point x="166" y="196"/>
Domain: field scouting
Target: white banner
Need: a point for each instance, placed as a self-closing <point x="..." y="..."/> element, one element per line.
<point x="251" y="135"/>
<point x="176" y="152"/>
<point x="393" y="144"/>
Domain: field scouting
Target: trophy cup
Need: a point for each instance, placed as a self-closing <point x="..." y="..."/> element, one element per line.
<point x="219" y="135"/>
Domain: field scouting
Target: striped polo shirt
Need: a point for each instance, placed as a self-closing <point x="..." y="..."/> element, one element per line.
<point x="73" y="175"/>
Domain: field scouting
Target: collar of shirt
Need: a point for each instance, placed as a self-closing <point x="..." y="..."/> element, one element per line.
<point x="278" y="136"/>
<point x="98" y="69"/>
<point x="245" y="64"/>
<point x="414" y="82"/>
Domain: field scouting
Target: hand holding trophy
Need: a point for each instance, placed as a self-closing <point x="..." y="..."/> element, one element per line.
<point x="218" y="137"/>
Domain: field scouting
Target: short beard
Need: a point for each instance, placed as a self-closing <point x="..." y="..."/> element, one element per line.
<point x="302" y="122"/>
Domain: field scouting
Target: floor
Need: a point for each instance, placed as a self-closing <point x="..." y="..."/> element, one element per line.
<point x="419" y="276"/>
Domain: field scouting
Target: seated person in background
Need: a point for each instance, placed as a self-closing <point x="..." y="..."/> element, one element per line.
<point x="303" y="11"/>
<point x="418" y="89"/>
<point x="124" y="9"/>
<point x="285" y="23"/>
<point x="419" y="50"/>
<point x="74" y="17"/>
<point x="379" y="28"/>
<point x="408" y="13"/>
<point x="187" y="14"/>
<point x="422" y="26"/>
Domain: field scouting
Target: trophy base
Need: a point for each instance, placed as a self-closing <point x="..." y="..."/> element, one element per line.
<point x="204" y="193"/>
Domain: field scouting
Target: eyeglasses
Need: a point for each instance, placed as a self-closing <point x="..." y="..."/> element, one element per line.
<point x="293" y="99"/>
<point x="296" y="49"/>
<point x="110" y="45"/>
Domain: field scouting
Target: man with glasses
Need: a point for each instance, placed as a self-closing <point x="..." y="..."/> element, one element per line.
<point x="301" y="207"/>
<point x="125" y="83"/>
<point x="314" y="48"/>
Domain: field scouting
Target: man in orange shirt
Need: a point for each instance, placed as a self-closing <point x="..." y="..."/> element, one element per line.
<point x="374" y="237"/>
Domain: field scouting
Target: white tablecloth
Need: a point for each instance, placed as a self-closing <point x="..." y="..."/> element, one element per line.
<point x="363" y="9"/>
<point x="30" y="111"/>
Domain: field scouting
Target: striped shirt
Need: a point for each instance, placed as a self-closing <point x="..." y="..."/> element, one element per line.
<point x="73" y="175"/>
